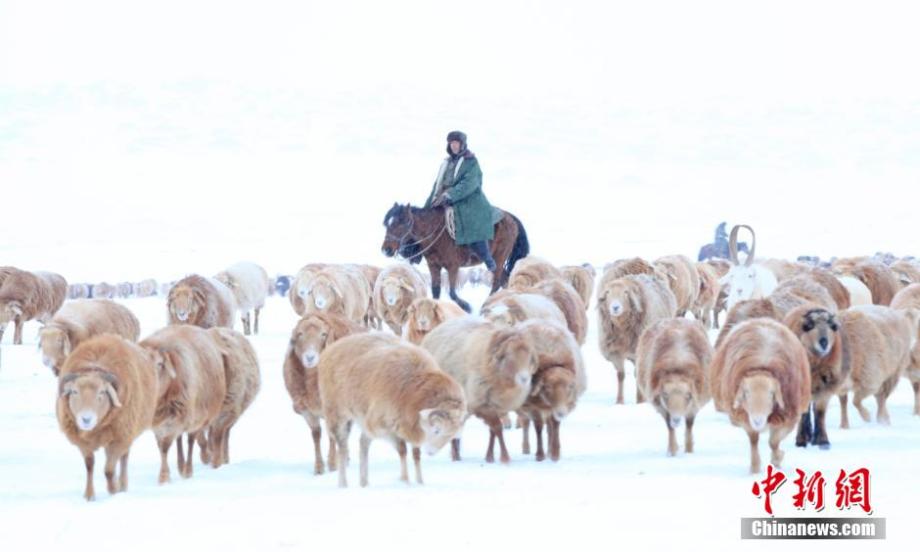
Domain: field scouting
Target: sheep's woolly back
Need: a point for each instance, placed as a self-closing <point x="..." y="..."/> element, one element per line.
<point x="674" y="346"/>
<point x="581" y="278"/>
<point x="530" y="271"/>
<point x="907" y="298"/>
<point x="249" y="284"/>
<point x="907" y="272"/>
<point x="681" y="276"/>
<point x="570" y="303"/>
<point x="136" y="389"/>
<point x="880" y="280"/>
<point x="762" y="346"/>
<point x="241" y="372"/>
<point x="624" y="267"/>
<point x="800" y="290"/>
<point x="746" y="310"/>
<point x="833" y="286"/>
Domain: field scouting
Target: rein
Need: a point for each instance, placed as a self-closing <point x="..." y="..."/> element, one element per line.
<point x="439" y="233"/>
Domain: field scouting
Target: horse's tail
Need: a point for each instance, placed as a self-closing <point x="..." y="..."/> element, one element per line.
<point x="520" y="249"/>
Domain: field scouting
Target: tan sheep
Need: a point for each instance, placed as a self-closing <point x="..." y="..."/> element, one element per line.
<point x="877" y="345"/>
<point x="909" y="298"/>
<point x="146" y="288"/>
<point x="202" y="302"/>
<point x="783" y="269"/>
<point x="342" y="289"/>
<point x="746" y="310"/>
<point x="371" y="273"/>
<point x="906" y="271"/>
<point x="559" y="381"/>
<point x="509" y="307"/>
<point x="683" y="279"/>
<point x="243" y="379"/>
<point x="26" y="296"/>
<point x="107" y="395"/>
<point x="393" y="390"/>
<point x="301" y="285"/>
<point x="880" y="280"/>
<point x="426" y="314"/>
<point x="625" y="308"/>
<point x="192" y="388"/>
<point x="396" y="288"/>
<point x="761" y="379"/>
<point x="581" y="278"/>
<point x="705" y="303"/>
<point x="672" y="369"/>
<point x="79" y="320"/>
<point x="797" y="291"/>
<point x="494" y="365"/>
<point x="833" y="286"/>
<point x="530" y="271"/>
<point x="309" y="339"/>
<point x="569" y="302"/>
<point x="722" y="268"/>
<point x="250" y="286"/>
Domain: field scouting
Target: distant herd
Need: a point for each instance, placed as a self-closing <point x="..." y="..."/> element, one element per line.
<point x="373" y="349"/>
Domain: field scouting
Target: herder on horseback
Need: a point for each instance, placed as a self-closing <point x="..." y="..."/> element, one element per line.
<point x="459" y="188"/>
<point x="457" y="227"/>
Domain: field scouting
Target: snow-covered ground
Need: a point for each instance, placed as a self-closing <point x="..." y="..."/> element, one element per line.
<point x="614" y="484"/>
<point x="179" y="137"/>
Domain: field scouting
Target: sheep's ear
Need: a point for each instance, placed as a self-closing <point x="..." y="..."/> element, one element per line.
<point x="164" y="363"/>
<point x="424" y="416"/>
<point x="337" y="291"/>
<point x="67" y="346"/>
<point x="63" y="385"/>
<point x="739" y="397"/>
<point x="536" y="387"/>
<point x="634" y="301"/>
<point x="113" y="395"/>
<point x="407" y="286"/>
<point x="778" y="397"/>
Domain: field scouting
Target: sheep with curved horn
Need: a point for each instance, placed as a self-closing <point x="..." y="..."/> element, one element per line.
<point x="747" y="281"/>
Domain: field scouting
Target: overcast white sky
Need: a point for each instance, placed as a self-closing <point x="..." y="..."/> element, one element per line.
<point x="723" y="110"/>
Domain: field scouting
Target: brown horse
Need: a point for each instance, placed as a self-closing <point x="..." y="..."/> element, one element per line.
<point x="413" y="233"/>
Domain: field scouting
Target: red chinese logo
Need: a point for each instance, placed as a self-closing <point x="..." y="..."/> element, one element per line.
<point x="852" y="489"/>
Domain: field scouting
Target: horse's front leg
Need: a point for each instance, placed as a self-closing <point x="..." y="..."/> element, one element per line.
<point x="435" y="271"/>
<point x="453" y="274"/>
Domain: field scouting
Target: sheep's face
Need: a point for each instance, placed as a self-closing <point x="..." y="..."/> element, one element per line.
<point x="818" y="332"/>
<point x="555" y="391"/>
<point x="183" y="305"/>
<point x="440" y="426"/>
<point x="500" y="315"/>
<point x="620" y="300"/>
<point x="309" y="339"/>
<point x="676" y="398"/>
<point x="758" y="396"/>
<point x="55" y="346"/>
<point x="89" y="398"/>
<point x="426" y="313"/>
<point x="515" y="363"/>
<point x="393" y="291"/>
<point x="740" y="283"/>
<point x="325" y="294"/>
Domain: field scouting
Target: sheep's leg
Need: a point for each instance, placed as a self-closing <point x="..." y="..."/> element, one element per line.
<point x="688" y="434"/>
<point x="89" y="460"/>
<point x="777" y="434"/>
<point x="365" y="448"/>
<point x="858" y="397"/>
<point x="619" y="364"/>
<point x="316" y="431"/>
<point x="525" y="430"/>
<point x="455" y="450"/>
<point x="417" y="459"/>
<point x="754" y="437"/>
<point x="180" y="455"/>
<point x="916" y="385"/>
<point x="403" y="464"/>
<point x="452" y="274"/>
<point x="495" y="425"/>
<point x="164" y="444"/>
<point x="554" y="445"/>
<point x="820" y="434"/>
<point x="435" y="271"/>
<point x="672" y="436"/>
<point x="17" y="332"/>
<point x="190" y="438"/>
<point x="881" y="399"/>
<point x="111" y="461"/>
<point x="245" y="319"/>
<point x="332" y="459"/>
<point x="805" y="433"/>
<point x="255" y="325"/>
<point x="506" y="421"/>
<point x="225" y="449"/>
<point x="123" y="473"/>
<point x="490" y="452"/>
<point x="206" y="443"/>
<point x="2" y="329"/>
<point x="538" y="429"/>
<point x="844" y="413"/>
<point x="341" y="430"/>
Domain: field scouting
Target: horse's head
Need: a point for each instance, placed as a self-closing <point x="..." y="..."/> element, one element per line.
<point x="398" y="222"/>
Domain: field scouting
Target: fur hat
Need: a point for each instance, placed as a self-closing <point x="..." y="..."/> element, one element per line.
<point x="458" y="136"/>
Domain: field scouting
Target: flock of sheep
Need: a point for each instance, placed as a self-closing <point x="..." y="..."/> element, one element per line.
<point x="795" y="335"/>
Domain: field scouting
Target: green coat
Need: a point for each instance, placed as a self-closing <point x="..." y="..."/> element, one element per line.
<point x="472" y="211"/>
